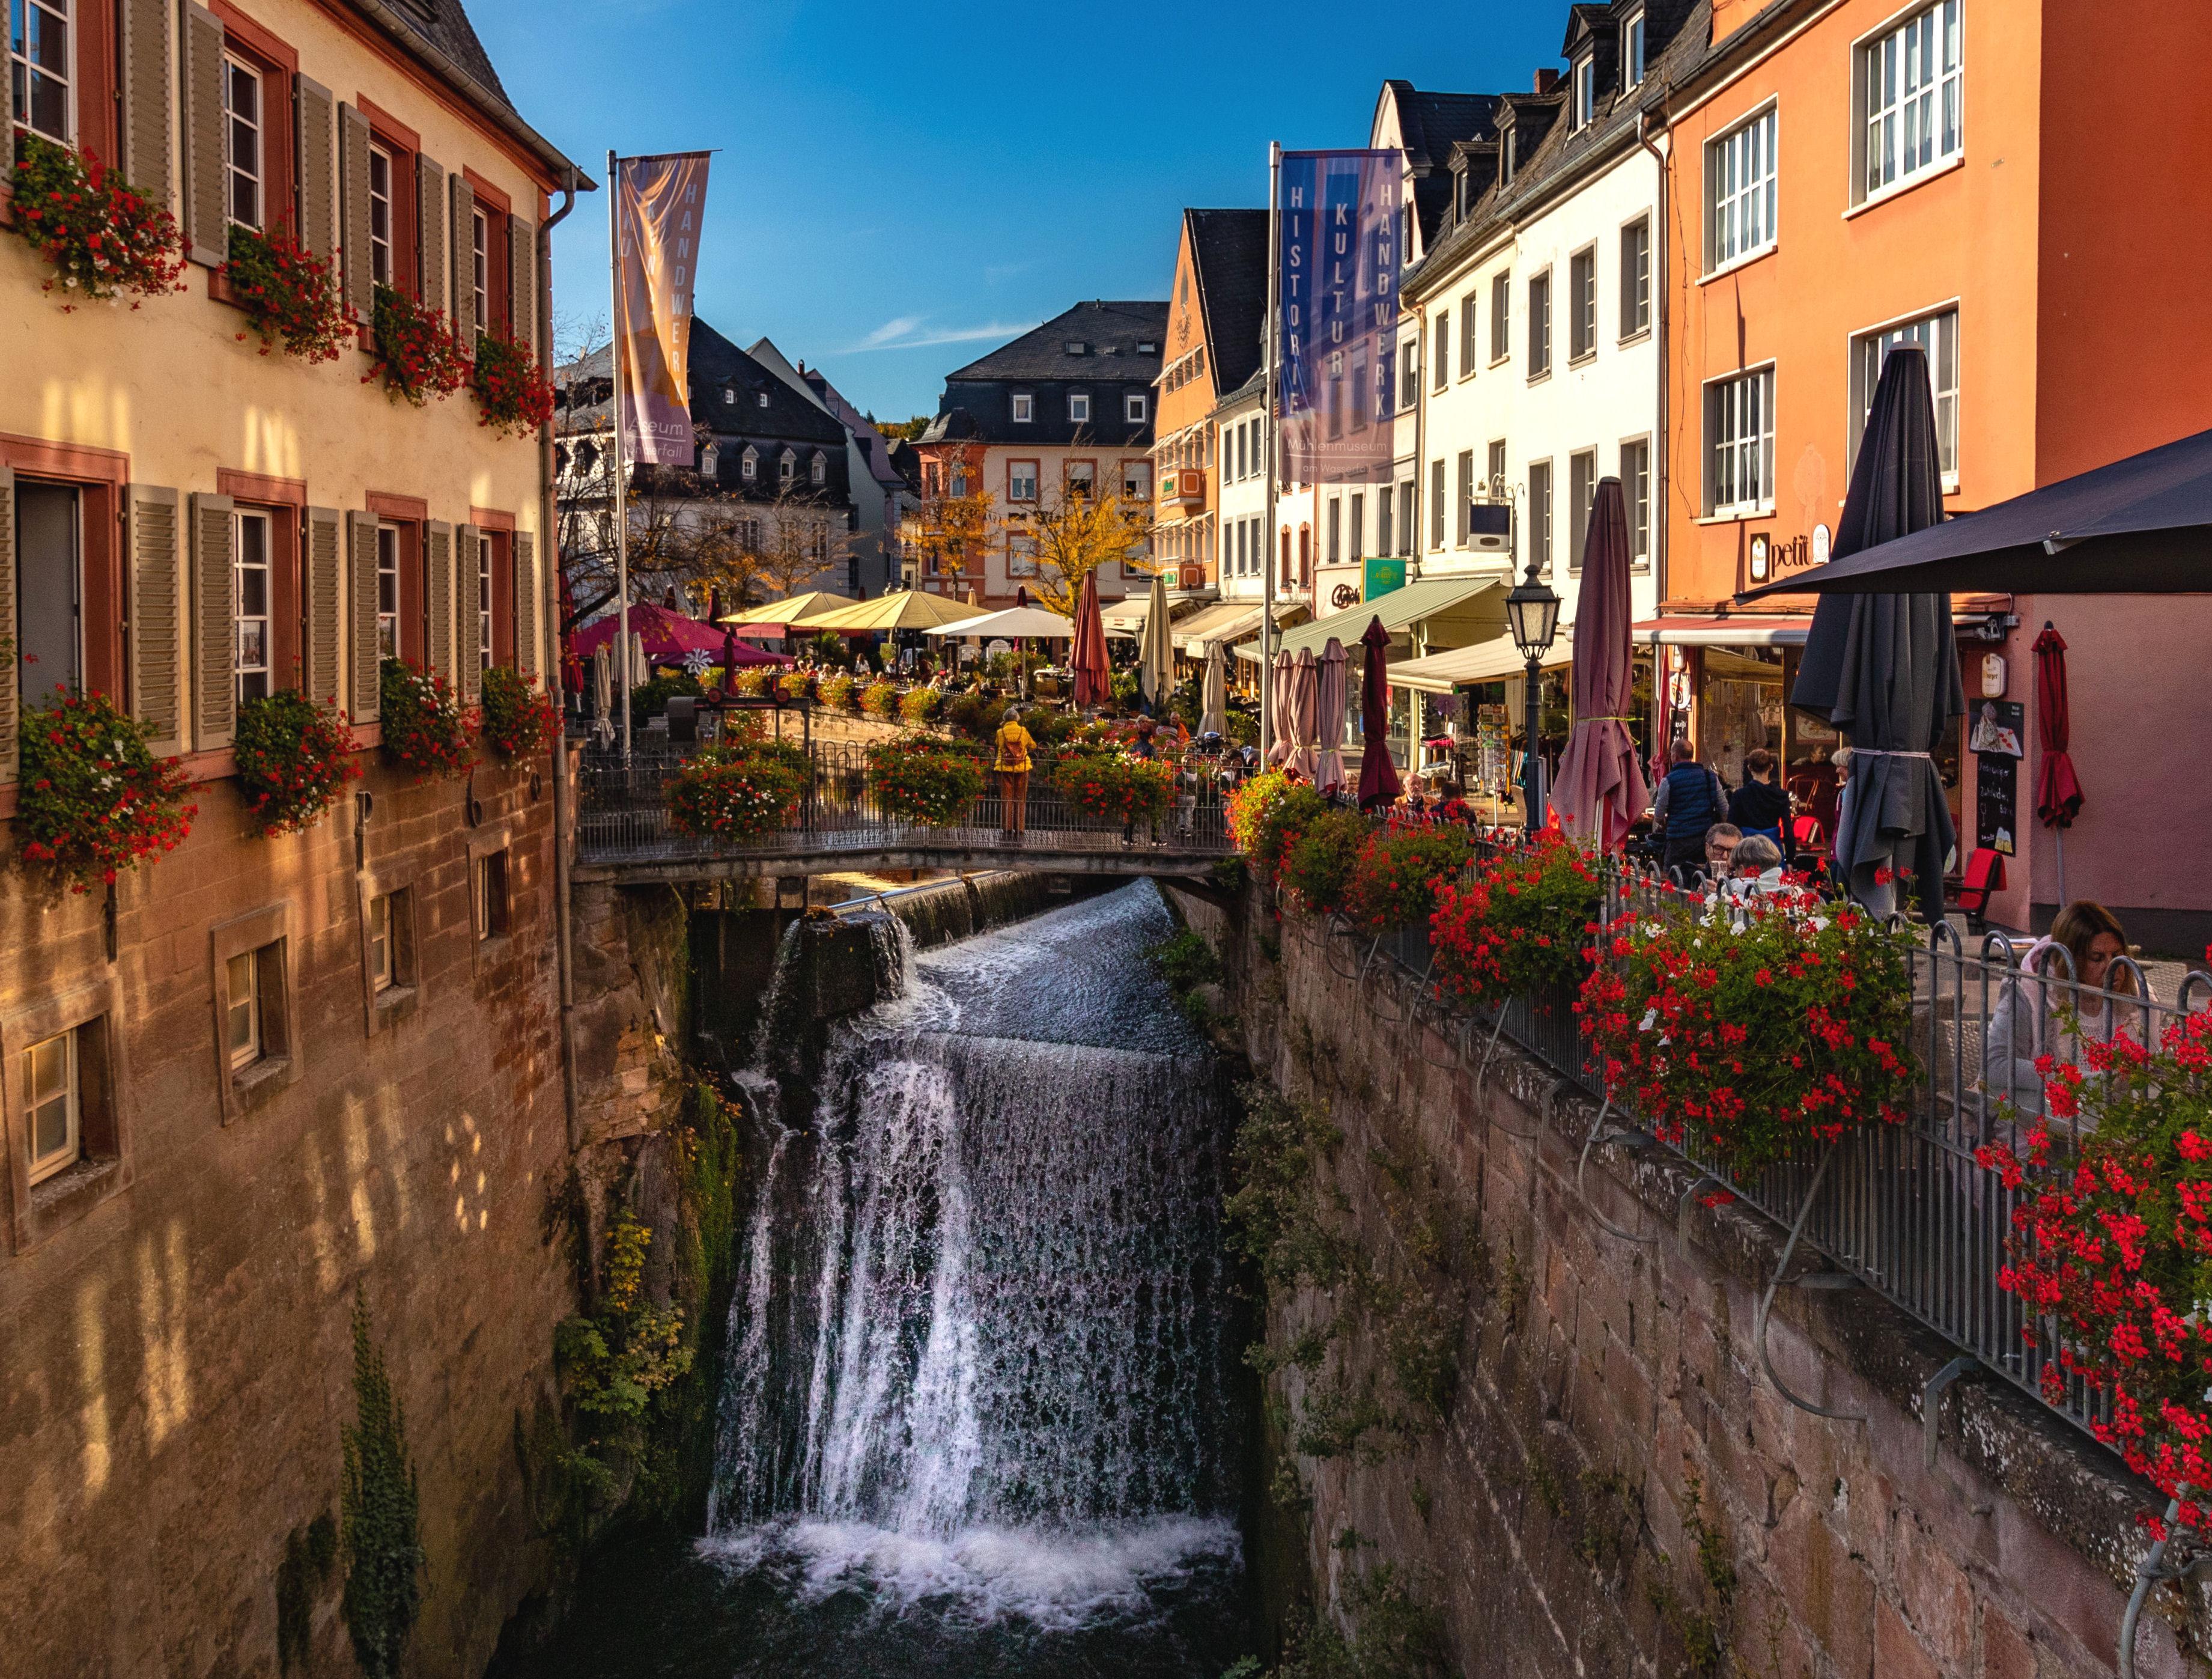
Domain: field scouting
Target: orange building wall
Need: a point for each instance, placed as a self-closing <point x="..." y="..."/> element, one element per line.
<point x="1187" y="404"/>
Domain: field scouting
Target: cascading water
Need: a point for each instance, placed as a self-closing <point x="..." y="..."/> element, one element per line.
<point x="980" y="1414"/>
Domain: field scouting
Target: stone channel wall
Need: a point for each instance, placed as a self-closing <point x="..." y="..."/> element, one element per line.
<point x="1613" y="1486"/>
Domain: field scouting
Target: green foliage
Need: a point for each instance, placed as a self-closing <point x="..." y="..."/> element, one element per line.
<point x="650" y="699"/>
<point x="380" y="1502"/>
<point x="880" y="698"/>
<point x="736" y="789"/>
<point x="1186" y="962"/>
<point x="93" y="801"/>
<point x="1267" y="815"/>
<point x="421" y="722"/>
<point x="1702" y="1620"/>
<point x="919" y="705"/>
<point x="1520" y="926"/>
<point x="295" y="756"/>
<point x="1124" y="689"/>
<point x="518" y="722"/>
<point x="102" y="237"/>
<point x="1273" y="1212"/>
<point x="1321" y="861"/>
<point x="291" y="296"/>
<point x="310" y="1554"/>
<point x="977" y="717"/>
<point x="614" y="1361"/>
<point x="922" y="780"/>
<point x="1399" y="1636"/>
<point x="1400" y="873"/>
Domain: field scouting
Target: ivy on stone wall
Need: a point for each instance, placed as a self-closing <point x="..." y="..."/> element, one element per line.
<point x="382" y="1507"/>
<point x="1397" y="1634"/>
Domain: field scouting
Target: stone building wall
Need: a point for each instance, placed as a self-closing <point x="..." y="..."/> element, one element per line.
<point x="1612" y="1480"/>
<point x="178" y="1357"/>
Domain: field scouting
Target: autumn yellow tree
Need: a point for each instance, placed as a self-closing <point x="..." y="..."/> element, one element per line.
<point x="795" y="540"/>
<point x="953" y="526"/>
<point x="1075" y="534"/>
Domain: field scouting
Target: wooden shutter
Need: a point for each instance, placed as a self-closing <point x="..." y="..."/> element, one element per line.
<point x="431" y="230"/>
<point x="525" y="604"/>
<point x="367" y="667"/>
<point x="438" y="546"/>
<point x="215" y="624"/>
<point x="469" y="642"/>
<point x="315" y="117"/>
<point x="207" y="229"/>
<point x="352" y="214"/>
<point x="465" y="324"/>
<point x="324" y="664"/>
<point x="158" y="616"/>
<point x="11" y="667"/>
<point x="522" y="280"/>
<point x="142" y="59"/>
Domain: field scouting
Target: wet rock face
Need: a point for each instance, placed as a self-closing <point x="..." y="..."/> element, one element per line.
<point x="850" y="963"/>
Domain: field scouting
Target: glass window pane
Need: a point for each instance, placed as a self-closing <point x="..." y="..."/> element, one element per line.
<point x="48" y="1067"/>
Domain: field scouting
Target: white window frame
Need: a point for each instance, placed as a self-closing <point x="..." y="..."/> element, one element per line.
<point x="242" y="671"/>
<point x="1132" y="407"/>
<point x="1470" y="332"/>
<point x="1540" y="320"/>
<point x="1501" y="316"/>
<point x="1409" y="387"/>
<point x="388" y="569"/>
<point x="1637" y="288"/>
<point x="1864" y="375"/>
<point x="1137" y="482"/>
<point x="1633" y="36"/>
<point x="1581" y="326"/>
<point x="485" y="554"/>
<point x="787" y="466"/>
<point x="243" y="1048"/>
<point x="1743" y="189"/>
<point x="70" y="1095"/>
<point x="1022" y="472"/>
<point x="1440" y="351"/>
<point x="380" y="254"/>
<point x="1726" y="402"/>
<point x="1583" y="76"/>
<point x="489" y="886"/>
<point x="383" y="968"/>
<point x="1024" y="407"/>
<point x="50" y="10"/>
<point x="748" y="465"/>
<point x="1581" y="504"/>
<point x="1079" y="408"/>
<point x="235" y="170"/>
<point x="817" y="471"/>
<point x="480" y="276"/>
<point x="1540" y="512"/>
<point x="1636" y="493"/>
<point x="1906" y="129"/>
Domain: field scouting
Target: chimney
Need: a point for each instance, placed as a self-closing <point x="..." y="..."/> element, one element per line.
<point x="1547" y="80"/>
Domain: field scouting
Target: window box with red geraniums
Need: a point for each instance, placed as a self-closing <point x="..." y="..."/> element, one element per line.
<point x="518" y="722"/>
<point x="1400" y="871"/>
<point x="1319" y="867"/>
<point x="513" y="396"/>
<point x="1519" y="925"/>
<point x="1113" y="786"/>
<point x="1267" y="817"/>
<point x="1753" y="1032"/>
<point x="93" y="800"/>
<point x="738" y="789"/>
<point x="923" y="781"/>
<point x="415" y="352"/>
<point x="103" y="238"/>
<point x="422" y="722"/>
<point x="2110" y="1249"/>
<point x="291" y="295"/>
<point x="295" y="758"/>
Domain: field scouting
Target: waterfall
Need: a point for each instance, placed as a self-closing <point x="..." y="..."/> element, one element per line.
<point x="978" y="1347"/>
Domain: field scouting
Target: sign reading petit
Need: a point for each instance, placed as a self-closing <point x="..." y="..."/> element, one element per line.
<point x="1337" y="268"/>
<point x="659" y="204"/>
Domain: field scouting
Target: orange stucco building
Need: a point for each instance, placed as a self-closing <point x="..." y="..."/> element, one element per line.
<point x="2025" y="189"/>
<point x="1212" y="348"/>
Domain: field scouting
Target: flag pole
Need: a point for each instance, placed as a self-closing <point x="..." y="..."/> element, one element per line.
<point x="1268" y="399"/>
<point x="621" y="497"/>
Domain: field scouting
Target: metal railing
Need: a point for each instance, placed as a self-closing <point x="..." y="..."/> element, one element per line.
<point x="1905" y="1210"/>
<point x="622" y="814"/>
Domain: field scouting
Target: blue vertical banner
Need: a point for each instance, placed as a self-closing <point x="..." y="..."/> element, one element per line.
<point x="1336" y="259"/>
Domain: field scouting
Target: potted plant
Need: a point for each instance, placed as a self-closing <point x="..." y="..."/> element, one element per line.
<point x="737" y="789"/>
<point x="513" y="396"/>
<point x="93" y="800"/>
<point x="1319" y="864"/>
<point x="518" y="722"/>
<point x="1113" y="786"/>
<point x="295" y="756"/>
<point x="291" y="295"/>
<point x="919" y="705"/>
<point x="412" y="349"/>
<point x="923" y="781"/>
<point x="421" y="722"/>
<point x="838" y="688"/>
<point x="1400" y="871"/>
<point x="1518" y="926"/>
<point x="103" y="238"/>
<point x="880" y="699"/>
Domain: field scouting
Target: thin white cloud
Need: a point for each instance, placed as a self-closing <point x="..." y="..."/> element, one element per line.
<point x="910" y="333"/>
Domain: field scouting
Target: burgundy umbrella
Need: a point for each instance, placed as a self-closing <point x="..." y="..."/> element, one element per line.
<point x="1378" y="776"/>
<point x="731" y="658"/>
<point x="1601" y="788"/>
<point x="1093" y="672"/>
<point x="2057" y="789"/>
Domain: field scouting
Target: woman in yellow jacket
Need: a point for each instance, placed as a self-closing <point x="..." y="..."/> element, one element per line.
<point x="1014" y="743"/>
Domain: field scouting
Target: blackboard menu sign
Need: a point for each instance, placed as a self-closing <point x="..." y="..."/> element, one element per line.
<point x="1997" y="783"/>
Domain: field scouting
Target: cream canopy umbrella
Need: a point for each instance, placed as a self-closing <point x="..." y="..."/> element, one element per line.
<point x="1155" y="653"/>
<point x="1016" y="622"/>
<point x="794" y="609"/>
<point x="1305" y="713"/>
<point x="907" y="608"/>
<point x="1213" y="711"/>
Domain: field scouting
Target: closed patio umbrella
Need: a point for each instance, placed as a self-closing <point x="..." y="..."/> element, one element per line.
<point x="1601" y="788"/>
<point x="1279" y="725"/>
<point x="1213" y="710"/>
<point x="1328" y="768"/>
<point x="2057" y="789"/>
<point x="1155" y="654"/>
<point x="1884" y="668"/>
<point x="1305" y="713"/>
<point x="1093" y="670"/>
<point x="603" y="694"/>
<point x="1378" y="776"/>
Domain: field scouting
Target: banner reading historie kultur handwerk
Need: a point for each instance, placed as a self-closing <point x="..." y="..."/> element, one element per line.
<point x="659" y="204"/>
<point x="1337" y="252"/>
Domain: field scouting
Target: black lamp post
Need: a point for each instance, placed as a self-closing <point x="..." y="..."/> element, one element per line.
<point x="1531" y="612"/>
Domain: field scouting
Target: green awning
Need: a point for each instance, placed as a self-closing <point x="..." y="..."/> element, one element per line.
<point x="1448" y="611"/>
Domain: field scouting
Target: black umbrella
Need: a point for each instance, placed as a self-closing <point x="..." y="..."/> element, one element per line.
<point x="1884" y="668"/>
<point x="2138" y="526"/>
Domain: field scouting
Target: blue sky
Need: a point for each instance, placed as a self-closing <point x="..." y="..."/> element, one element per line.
<point x="899" y="188"/>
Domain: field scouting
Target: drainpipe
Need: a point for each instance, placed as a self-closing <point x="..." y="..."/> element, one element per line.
<point x="1662" y="483"/>
<point x="549" y="534"/>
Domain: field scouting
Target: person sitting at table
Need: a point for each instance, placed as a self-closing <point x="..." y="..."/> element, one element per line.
<point x="1758" y="807"/>
<point x="2031" y="1017"/>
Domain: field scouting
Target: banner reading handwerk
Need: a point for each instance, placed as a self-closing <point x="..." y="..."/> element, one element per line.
<point x="1337" y="219"/>
<point x="658" y="210"/>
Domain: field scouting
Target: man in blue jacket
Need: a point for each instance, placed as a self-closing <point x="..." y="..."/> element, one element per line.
<point x="1691" y="799"/>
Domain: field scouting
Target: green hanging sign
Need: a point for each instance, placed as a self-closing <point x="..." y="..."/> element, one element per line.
<point x="1379" y="577"/>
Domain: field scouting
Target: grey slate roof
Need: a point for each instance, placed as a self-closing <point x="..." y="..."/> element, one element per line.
<point x="1230" y="251"/>
<point x="1110" y="333"/>
<point x="439" y="33"/>
<point x="718" y="366"/>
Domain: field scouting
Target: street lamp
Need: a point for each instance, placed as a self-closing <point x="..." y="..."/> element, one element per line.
<point x="1532" y="612"/>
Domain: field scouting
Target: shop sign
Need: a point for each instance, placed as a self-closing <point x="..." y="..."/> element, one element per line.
<point x="1771" y="557"/>
<point x="1996" y="784"/>
<point x="1379" y="577"/>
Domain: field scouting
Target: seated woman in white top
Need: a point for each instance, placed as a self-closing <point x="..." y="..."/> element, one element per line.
<point x="2024" y="1020"/>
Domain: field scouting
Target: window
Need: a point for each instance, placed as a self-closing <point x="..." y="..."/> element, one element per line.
<point x="1382" y="512"/>
<point x="1938" y="335"/>
<point x="1335" y="530"/>
<point x="1585" y="91"/>
<point x="1443" y="357"/>
<point x="1631" y="51"/>
<point x="380" y="216"/>
<point x="1740" y="459"/>
<point x="729" y="391"/>
<point x="54" y="1115"/>
<point x="1437" y="503"/>
<point x="1636" y="277"/>
<point x="1501" y="316"/>
<point x="1581" y="489"/>
<point x="1539" y="325"/>
<point x="242" y="142"/>
<point x="1409" y="385"/>
<point x="1358" y="527"/>
<point x="40" y="65"/>
<point x="1132" y="408"/>
<point x="1540" y="513"/>
<point x="242" y="1015"/>
<point x="1911" y="89"/>
<point x="710" y="463"/>
<point x="1582" y="291"/>
<point x="1740" y="192"/>
<point x="787" y="466"/>
<point x="490" y="906"/>
<point x="1082" y="478"/>
<point x="957" y="482"/>
<point x="1466" y="493"/>
<point x="250" y="540"/>
<point x="818" y="472"/>
<point x="1079" y="408"/>
<point x="1021" y="555"/>
<point x="1408" y="516"/>
<point x="387" y="591"/>
<point x="761" y="397"/>
<point x="1025" y="408"/>
<point x="1137" y="482"/>
<point x="1021" y="480"/>
<point x="749" y="464"/>
<point x="1469" y="321"/>
<point x="484" y="649"/>
<point x="1636" y="491"/>
<point x="1496" y="482"/>
<point x="480" y="281"/>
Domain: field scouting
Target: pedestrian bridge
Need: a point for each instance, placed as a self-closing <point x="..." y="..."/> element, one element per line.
<point x="624" y="835"/>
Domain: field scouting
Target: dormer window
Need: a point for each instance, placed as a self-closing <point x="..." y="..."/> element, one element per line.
<point x="820" y="470"/>
<point x="1583" y="96"/>
<point x="787" y="466"/>
<point x="1631" y="51"/>
<point x="710" y="464"/>
<point x="1505" y="157"/>
<point x="1025" y="408"/>
<point x="762" y="397"/>
<point x="748" y="465"/>
<point x="1079" y="408"/>
<point x="729" y="396"/>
